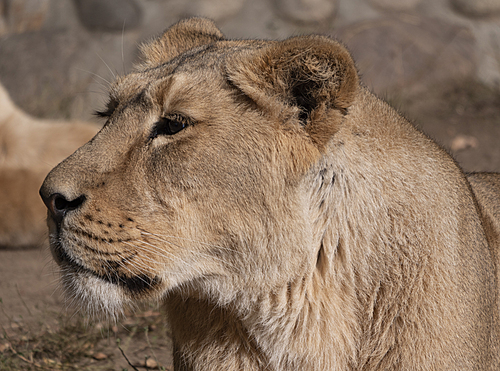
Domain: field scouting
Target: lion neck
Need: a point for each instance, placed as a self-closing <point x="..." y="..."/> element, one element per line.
<point x="282" y="329"/>
<point x="308" y="322"/>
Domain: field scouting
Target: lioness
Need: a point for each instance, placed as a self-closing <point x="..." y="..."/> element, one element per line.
<point x="287" y="218"/>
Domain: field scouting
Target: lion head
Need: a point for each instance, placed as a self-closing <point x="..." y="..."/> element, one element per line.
<point x="198" y="175"/>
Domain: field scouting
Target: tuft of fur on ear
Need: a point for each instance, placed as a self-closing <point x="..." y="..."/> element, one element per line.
<point x="310" y="78"/>
<point x="184" y="35"/>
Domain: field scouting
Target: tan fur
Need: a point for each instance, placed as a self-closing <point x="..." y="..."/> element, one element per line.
<point x="29" y="148"/>
<point x="297" y="223"/>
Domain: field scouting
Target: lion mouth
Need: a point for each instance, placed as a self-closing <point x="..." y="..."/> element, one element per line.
<point x="135" y="285"/>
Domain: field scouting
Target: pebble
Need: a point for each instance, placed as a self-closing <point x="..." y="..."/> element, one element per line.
<point x="99" y="356"/>
<point x="461" y="142"/>
<point x="151" y="363"/>
<point x="4" y="347"/>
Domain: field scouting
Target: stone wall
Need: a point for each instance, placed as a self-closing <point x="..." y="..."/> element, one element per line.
<point x="57" y="56"/>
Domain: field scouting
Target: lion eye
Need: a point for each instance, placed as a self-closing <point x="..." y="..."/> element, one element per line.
<point x="169" y="125"/>
<point x="108" y="111"/>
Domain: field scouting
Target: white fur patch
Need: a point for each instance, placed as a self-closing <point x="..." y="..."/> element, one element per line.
<point x="94" y="296"/>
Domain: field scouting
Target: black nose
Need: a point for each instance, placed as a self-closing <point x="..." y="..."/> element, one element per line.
<point x="59" y="206"/>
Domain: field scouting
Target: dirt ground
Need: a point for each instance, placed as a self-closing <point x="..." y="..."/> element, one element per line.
<point x="38" y="332"/>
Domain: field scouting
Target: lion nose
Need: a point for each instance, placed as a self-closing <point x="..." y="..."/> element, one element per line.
<point x="59" y="205"/>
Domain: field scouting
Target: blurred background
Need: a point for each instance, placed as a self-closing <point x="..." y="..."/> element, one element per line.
<point x="436" y="61"/>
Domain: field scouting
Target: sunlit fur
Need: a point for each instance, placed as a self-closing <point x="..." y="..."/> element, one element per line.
<point x="297" y="223"/>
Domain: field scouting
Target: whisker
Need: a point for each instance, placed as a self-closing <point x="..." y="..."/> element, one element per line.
<point x="121" y="264"/>
<point x="153" y="250"/>
<point x="173" y="244"/>
<point x="123" y="59"/>
<point x="195" y="252"/>
<point x="191" y="240"/>
<point x="103" y="61"/>
<point x="96" y="75"/>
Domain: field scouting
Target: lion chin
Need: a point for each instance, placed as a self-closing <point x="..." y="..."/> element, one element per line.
<point x="285" y="217"/>
<point x="94" y="296"/>
<point x="100" y="295"/>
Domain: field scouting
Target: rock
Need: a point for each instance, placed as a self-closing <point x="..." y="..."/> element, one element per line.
<point x="109" y="15"/>
<point x="214" y="9"/>
<point x="396" y="5"/>
<point x="42" y="63"/>
<point x="409" y="53"/>
<point x="22" y="15"/>
<point x="307" y="11"/>
<point x="488" y="46"/>
<point x="63" y="73"/>
<point x="3" y="23"/>
<point x="477" y="8"/>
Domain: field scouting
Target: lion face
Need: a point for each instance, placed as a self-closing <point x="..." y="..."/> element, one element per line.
<point x="201" y="173"/>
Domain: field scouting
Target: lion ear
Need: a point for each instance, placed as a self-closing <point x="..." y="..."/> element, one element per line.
<point x="182" y="36"/>
<point x="310" y="78"/>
